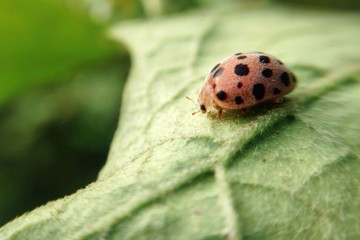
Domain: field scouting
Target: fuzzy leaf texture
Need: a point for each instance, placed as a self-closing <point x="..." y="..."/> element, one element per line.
<point x="289" y="171"/>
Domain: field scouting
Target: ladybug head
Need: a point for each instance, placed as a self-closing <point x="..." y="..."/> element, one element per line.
<point x="202" y="108"/>
<point x="205" y="99"/>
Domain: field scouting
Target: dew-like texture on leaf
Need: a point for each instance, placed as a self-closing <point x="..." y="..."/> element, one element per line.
<point x="283" y="171"/>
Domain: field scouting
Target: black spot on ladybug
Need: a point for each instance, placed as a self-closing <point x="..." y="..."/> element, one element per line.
<point x="276" y="91"/>
<point x="221" y="95"/>
<point x="241" y="57"/>
<point x="258" y="91"/>
<point x="239" y="85"/>
<point x="237" y="54"/>
<point x="241" y="70"/>
<point x="267" y="72"/>
<point x="264" y="59"/>
<point x="238" y="100"/>
<point x="202" y="107"/>
<point x="280" y="62"/>
<point x="218" y="72"/>
<point x="215" y="67"/>
<point x="284" y="77"/>
<point x="293" y="77"/>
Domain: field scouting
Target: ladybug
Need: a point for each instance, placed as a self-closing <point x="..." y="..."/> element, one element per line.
<point x="244" y="80"/>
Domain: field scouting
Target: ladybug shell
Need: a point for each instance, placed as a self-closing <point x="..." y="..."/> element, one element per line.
<point x="244" y="80"/>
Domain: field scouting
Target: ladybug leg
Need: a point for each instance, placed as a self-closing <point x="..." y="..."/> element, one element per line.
<point x="278" y="100"/>
<point x="220" y="113"/>
<point x="220" y="110"/>
<point x="244" y="111"/>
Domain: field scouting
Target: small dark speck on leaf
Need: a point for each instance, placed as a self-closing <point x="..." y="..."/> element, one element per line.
<point x="198" y="211"/>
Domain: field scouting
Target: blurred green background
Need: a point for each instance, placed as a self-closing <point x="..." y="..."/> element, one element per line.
<point x="61" y="81"/>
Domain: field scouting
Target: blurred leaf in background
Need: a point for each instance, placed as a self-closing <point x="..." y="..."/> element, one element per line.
<point x="42" y="41"/>
<point x="324" y="4"/>
<point x="105" y="11"/>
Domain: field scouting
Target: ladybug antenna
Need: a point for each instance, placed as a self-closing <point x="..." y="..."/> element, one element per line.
<point x="191" y="100"/>
<point x="193" y="113"/>
<point x="194" y="104"/>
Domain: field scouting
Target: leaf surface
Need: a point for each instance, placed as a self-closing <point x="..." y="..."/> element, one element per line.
<point x="289" y="171"/>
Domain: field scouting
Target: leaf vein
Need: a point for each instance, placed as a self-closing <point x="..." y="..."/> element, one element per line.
<point x="225" y="198"/>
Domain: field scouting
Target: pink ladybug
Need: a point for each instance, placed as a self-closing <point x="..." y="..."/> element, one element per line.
<point x="244" y="80"/>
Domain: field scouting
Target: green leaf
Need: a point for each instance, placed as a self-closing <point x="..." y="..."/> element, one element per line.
<point x="43" y="41"/>
<point x="345" y="4"/>
<point x="290" y="171"/>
